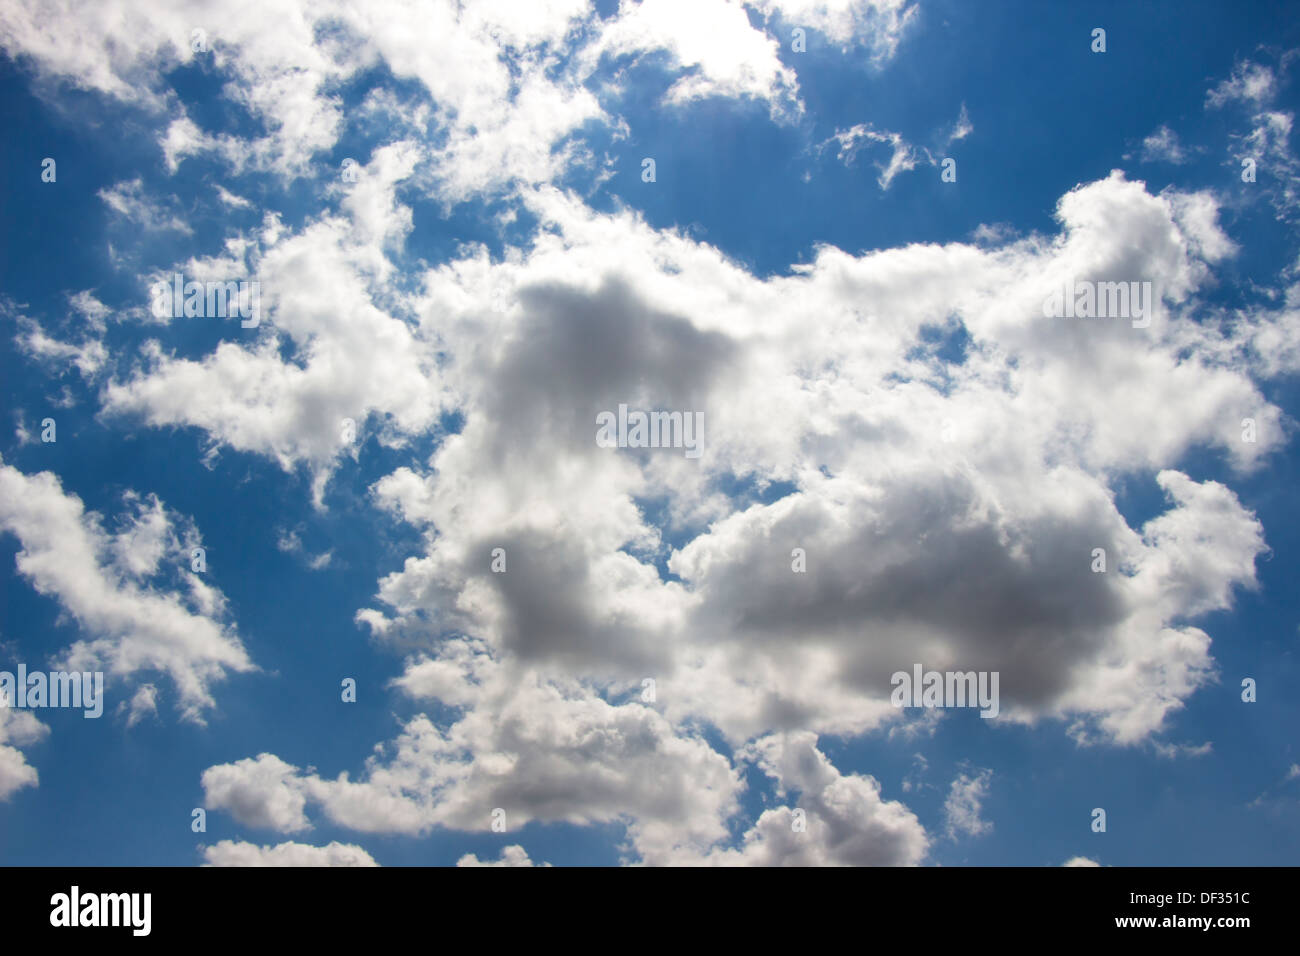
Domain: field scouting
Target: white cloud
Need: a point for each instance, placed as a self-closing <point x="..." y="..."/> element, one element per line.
<point x="1253" y="89"/>
<point x="1269" y="143"/>
<point x="87" y="357"/>
<point x="233" y="853"/>
<point x="1080" y="861"/>
<point x="510" y="856"/>
<point x="18" y="728"/>
<point x="507" y="104"/>
<point x="850" y="409"/>
<point x="321" y="288"/>
<point x="499" y="92"/>
<point x="961" y="810"/>
<point x="962" y="128"/>
<point x="948" y="509"/>
<point x="878" y="25"/>
<point x="137" y="609"/>
<point x="1251" y="83"/>
<point x="1026" y="515"/>
<point x="230" y="199"/>
<point x="260" y="793"/>
<point x="846" y="822"/>
<point x="1171" y="751"/>
<point x="564" y="765"/>
<point x="129" y="201"/>
<point x="903" y="156"/>
<point x="711" y="45"/>
<point x="1163" y="146"/>
<point x="143" y="704"/>
<point x="534" y="751"/>
<point x="90" y="309"/>
<point x="290" y="543"/>
<point x="267" y="51"/>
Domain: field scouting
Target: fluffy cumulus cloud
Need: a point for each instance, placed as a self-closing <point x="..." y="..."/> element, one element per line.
<point x="139" y="607"/>
<point x="948" y="514"/>
<point x="87" y="357"/>
<point x="18" y="728"/>
<point x="514" y="855"/>
<point x="532" y="752"/>
<point x="261" y="792"/>
<point x="649" y="638"/>
<point x="989" y="476"/>
<point x="504" y="91"/>
<point x="124" y="49"/>
<point x="840" y="820"/>
<point x="354" y="359"/>
<point x="710" y="42"/>
<point x="233" y="853"/>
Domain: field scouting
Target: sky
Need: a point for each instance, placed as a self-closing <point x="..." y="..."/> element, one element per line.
<point x="366" y="583"/>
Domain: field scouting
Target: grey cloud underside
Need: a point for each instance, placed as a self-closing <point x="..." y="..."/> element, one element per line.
<point x="549" y="619"/>
<point x="577" y="354"/>
<point x="919" y="578"/>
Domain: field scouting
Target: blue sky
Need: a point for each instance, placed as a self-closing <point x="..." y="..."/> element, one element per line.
<point x="863" y="338"/>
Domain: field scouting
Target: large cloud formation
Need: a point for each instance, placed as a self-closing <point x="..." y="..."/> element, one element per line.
<point x="944" y="456"/>
<point x="949" y="513"/>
